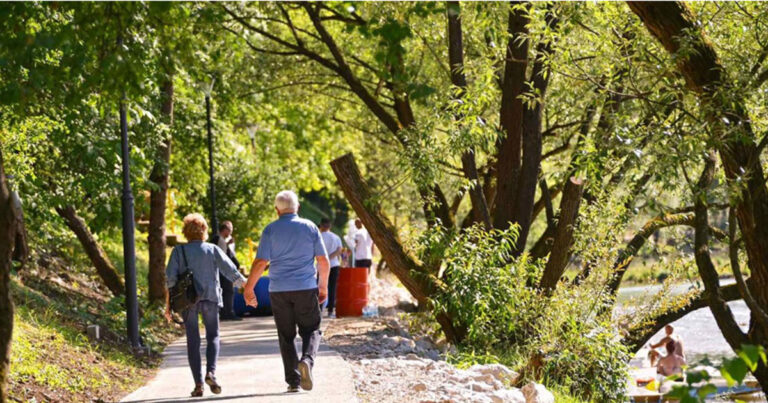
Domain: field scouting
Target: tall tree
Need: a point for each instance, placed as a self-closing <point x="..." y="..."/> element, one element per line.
<point x="9" y="226"/>
<point x="158" y="195"/>
<point x="677" y="29"/>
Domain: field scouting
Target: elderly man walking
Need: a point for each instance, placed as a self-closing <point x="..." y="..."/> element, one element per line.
<point x="291" y="245"/>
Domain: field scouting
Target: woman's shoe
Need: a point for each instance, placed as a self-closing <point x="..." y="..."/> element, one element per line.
<point x="198" y="392"/>
<point x="210" y="380"/>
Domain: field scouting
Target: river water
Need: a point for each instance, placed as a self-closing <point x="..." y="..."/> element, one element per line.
<point x="704" y="344"/>
<point x="701" y="336"/>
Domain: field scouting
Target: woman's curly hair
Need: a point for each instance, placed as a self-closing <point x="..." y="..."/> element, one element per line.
<point x="195" y="227"/>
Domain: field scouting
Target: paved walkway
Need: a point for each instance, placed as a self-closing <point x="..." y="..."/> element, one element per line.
<point x="249" y="369"/>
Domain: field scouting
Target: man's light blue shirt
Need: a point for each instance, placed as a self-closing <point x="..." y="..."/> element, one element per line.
<point x="205" y="260"/>
<point x="290" y="244"/>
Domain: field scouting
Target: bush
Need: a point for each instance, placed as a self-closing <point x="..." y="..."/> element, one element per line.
<point x="559" y="339"/>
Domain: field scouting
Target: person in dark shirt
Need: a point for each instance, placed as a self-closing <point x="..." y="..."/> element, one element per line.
<point x="226" y="242"/>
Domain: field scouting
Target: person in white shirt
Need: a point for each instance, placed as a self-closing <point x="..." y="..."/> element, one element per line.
<point x="334" y="248"/>
<point x="363" y="245"/>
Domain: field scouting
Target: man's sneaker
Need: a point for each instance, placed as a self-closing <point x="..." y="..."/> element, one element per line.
<point x="306" y="375"/>
<point x="292" y="389"/>
<point x="210" y="380"/>
<point x="331" y="315"/>
<point x="198" y="391"/>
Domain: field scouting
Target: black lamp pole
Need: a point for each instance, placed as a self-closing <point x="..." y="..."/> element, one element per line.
<point x="129" y="251"/>
<point x="214" y="221"/>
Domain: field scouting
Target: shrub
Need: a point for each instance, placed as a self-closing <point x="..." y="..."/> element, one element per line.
<point x="561" y="339"/>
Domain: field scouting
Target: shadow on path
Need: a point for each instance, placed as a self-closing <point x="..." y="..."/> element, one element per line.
<point x="249" y="369"/>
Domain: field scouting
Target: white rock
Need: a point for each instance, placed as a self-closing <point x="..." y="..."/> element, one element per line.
<point x="484" y="378"/>
<point x="498" y="371"/>
<point x="480" y="387"/>
<point x="537" y="393"/>
<point x="508" y="396"/>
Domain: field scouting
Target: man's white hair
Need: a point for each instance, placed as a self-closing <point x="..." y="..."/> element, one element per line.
<point x="287" y="201"/>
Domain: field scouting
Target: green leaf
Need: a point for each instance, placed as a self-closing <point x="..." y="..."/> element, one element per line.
<point x="734" y="371"/>
<point x="696" y="376"/>
<point x="751" y="355"/>
<point x="679" y="392"/>
<point x="706" y="390"/>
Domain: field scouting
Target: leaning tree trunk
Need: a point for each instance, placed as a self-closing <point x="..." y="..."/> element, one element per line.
<point x="416" y="279"/>
<point x="157" y="198"/>
<point x="8" y="229"/>
<point x="99" y="258"/>
<point x="638" y="334"/>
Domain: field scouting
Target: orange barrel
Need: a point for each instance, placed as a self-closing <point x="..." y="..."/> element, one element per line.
<point x="352" y="291"/>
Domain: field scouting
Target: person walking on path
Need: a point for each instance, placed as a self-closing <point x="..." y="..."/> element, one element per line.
<point x="363" y="245"/>
<point x="226" y="242"/>
<point x="334" y="248"/>
<point x="291" y="245"/>
<point x="206" y="261"/>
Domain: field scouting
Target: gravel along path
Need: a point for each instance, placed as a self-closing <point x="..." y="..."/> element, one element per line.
<point x="391" y="365"/>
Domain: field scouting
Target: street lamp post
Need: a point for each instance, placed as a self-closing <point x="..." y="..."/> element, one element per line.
<point x="129" y="248"/>
<point x="214" y="220"/>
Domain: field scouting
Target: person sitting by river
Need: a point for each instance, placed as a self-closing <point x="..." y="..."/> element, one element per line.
<point x="670" y="337"/>
<point x="671" y="364"/>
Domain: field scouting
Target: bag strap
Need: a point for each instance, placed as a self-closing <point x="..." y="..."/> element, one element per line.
<point x="184" y="256"/>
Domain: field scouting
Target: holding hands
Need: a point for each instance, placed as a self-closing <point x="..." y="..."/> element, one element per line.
<point x="250" y="297"/>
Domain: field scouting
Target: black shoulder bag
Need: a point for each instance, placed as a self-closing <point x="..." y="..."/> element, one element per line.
<point x="183" y="294"/>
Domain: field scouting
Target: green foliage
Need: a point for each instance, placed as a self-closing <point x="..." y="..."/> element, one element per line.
<point x="491" y="294"/>
<point x="696" y="388"/>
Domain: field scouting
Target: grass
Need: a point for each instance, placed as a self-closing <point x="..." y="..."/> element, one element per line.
<point x="562" y="396"/>
<point x="52" y="359"/>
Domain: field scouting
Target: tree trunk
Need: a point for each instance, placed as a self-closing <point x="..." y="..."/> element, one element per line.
<point x="21" y="248"/>
<point x="99" y="258"/>
<point x="563" y="239"/>
<point x="717" y="304"/>
<point x="511" y="116"/>
<point x="411" y="273"/>
<point x="157" y="198"/>
<point x="8" y="226"/>
<point x="469" y="166"/>
<point x="673" y="23"/>
<point x="522" y="212"/>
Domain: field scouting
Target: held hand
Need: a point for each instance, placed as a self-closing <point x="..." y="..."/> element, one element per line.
<point x="322" y="294"/>
<point x="250" y="298"/>
<point x="167" y="314"/>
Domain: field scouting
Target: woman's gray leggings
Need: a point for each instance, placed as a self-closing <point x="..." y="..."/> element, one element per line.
<point x="210" y="312"/>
